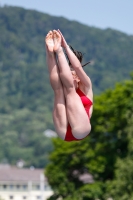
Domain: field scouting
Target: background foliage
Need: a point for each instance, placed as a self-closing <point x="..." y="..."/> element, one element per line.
<point x="107" y="154"/>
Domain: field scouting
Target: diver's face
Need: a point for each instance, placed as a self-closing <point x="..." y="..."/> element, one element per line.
<point x="75" y="77"/>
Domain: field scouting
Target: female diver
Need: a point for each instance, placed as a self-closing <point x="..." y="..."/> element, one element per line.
<point x="73" y="95"/>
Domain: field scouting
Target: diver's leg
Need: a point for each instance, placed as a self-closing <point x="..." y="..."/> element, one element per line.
<point x="59" y="110"/>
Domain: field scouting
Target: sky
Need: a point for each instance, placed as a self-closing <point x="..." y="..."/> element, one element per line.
<point x="115" y="14"/>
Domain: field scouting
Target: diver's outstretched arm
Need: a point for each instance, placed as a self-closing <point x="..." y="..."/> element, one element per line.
<point x="75" y="63"/>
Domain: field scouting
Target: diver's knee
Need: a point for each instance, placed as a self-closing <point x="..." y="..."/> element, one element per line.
<point x="80" y="133"/>
<point x="61" y="133"/>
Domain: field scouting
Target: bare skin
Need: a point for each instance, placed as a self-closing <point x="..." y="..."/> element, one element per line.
<point x="59" y="111"/>
<point x="68" y="107"/>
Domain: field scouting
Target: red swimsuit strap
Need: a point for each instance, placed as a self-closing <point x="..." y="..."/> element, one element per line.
<point x="80" y="93"/>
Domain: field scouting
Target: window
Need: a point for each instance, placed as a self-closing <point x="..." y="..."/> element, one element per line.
<point x="36" y="187"/>
<point x="47" y="187"/>
<point x="11" y="187"/>
<point x="24" y="187"/>
<point x="5" y="186"/>
<point x="38" y="197"/>
<point x="18" y="186"/>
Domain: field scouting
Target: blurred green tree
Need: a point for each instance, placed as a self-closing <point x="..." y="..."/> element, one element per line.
<point x="97" y="154"/>
<point x="121" y="188"/>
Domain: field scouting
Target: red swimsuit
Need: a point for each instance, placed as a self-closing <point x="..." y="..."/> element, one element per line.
<point x="87" y="103"/>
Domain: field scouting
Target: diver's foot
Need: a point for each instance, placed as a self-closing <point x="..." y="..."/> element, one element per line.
<point x="57" y="41"/>
<point x="49" y="41"/>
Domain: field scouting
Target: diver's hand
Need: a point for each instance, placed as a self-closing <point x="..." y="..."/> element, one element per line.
<point x="63" y="41"/>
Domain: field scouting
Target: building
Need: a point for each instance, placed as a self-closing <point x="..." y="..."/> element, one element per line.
<point x="22" y="183"/>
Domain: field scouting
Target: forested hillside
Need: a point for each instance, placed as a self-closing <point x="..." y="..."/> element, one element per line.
<point x="25" y="94"/>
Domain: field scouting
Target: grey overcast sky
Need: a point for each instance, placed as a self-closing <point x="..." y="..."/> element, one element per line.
<point x="115" y="14"/>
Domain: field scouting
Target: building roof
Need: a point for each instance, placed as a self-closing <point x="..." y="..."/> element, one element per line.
<point x="23" y="174"/>
<point x="9" y="173"/>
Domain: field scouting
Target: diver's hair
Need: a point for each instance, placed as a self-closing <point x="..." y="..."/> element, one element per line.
<point x="78" y="54"/>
